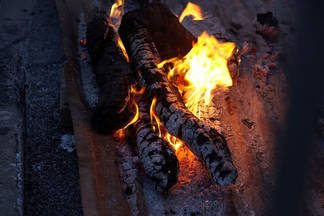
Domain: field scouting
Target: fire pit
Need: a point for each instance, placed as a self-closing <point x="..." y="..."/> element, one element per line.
<point x="192" y="104"/>
<point x="161" y="118"/>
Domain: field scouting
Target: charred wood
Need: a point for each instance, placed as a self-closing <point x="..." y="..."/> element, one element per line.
<point x="158" y="157"/>
<point x="170" y="37"/>
<point x="113" y="76"/>
<point x="174" y="115"/>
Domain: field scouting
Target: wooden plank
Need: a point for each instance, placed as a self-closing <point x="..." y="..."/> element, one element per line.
<point x="101" y="189"/>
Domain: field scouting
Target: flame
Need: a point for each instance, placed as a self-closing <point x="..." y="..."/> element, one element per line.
<point x="120" y="134"/>
<point x="122" y="47"/>
<point x="155" y="117"/>
<point x="201" y="71"/>
<point x="116" y="13"/>
<point x="172" y="140"/>
<point x="191" y="10"/>
<point x="137" y="92"/>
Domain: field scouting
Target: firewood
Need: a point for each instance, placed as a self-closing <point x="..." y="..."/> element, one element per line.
<point x="158" y="157"/>
<point x="178" y="120"/>
<point x="113" y="75"/>
<point x="170" y="37"/>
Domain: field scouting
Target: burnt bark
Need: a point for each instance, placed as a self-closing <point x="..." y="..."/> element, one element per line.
<point x="113" y="76"/>
<point x="158" y="157"/>
<point x="170" y="37"/>
<point x="178" y="120"/>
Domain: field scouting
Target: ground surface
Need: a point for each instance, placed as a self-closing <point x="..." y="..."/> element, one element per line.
<point x="31" y="69"/>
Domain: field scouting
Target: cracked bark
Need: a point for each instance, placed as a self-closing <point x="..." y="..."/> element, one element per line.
<point x="113" y="76"/>
<point x="209" y="146"/>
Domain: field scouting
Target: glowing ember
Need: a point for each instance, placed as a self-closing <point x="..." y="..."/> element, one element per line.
<point x="172" y="140"/>
<point x="137" y="92"/>
<point x="191" y="10"/>
<point x="201" y="71"/>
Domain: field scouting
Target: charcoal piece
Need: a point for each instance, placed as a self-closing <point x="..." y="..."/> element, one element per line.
<point x="267" y="19"/>
<point x="113" y="76"/>
<point x="178" y="120"/>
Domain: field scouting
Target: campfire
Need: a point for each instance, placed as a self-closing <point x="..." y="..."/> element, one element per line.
<point x="158" y="85"/>
<point x="178" y="108"/>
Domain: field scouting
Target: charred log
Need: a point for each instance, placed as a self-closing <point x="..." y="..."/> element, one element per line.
<point x="177" y="119"/>
<point x="170" y="37"/>
<point x="158" y="158"/>
<point x="113" y="76"/>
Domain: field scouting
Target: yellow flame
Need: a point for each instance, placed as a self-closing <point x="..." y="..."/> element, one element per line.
<point x="155" y="117"/>
<point x="117" y="12"/>
<point x="191" y="10"/>
<point x="172" y="140"/>
<point x="202" y="70"/>
<point x="122" y="47"/>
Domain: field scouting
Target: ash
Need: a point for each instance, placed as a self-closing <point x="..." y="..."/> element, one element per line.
<point x="129" y="175"/>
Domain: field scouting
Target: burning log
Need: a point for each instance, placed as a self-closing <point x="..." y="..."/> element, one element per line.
<point x="177" y="119"/>
<point x="170" y="37"/>
<point x="113" y="75"/>
<point x="158" y="158"/>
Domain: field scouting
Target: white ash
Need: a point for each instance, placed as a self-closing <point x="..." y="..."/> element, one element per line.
<point x="129" y="174"/>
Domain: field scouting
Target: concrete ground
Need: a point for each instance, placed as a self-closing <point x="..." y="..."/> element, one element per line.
<point x="31" y="69"/>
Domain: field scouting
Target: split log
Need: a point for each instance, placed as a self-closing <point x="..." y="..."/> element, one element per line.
<point x="170" y="37"/>
<point x="113" y="76"/>
<point x="177" y="119"/>
<point x="158" y="157"/>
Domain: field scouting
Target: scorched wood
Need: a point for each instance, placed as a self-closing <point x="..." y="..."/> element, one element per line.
<point x="158" y="157"/>
<point x="113" y="75"/>
<point x="177" y="119"/>
<point x="170" y="37"/>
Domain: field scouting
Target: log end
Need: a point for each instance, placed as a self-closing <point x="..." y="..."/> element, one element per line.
<point x="161" y="166"/>
<point x="96" y="30"/>
<point x="225" y="175"/>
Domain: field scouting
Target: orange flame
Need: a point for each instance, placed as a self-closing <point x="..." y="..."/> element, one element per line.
<point x="137" y="92"/>
<point x="121" y="132"/>
<point x="201" y="71"/>
<point x="172" y="140"/>
<point x="122" y="47"/>
<point x="191" y="10"/>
